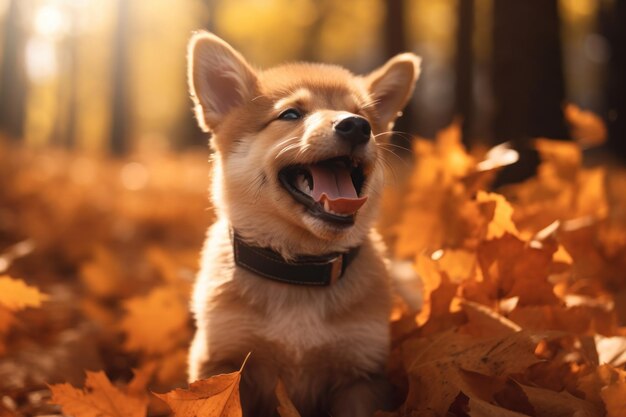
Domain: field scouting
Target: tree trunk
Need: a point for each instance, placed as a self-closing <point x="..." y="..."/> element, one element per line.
<point x="64" y="132"/>
<point x="395" y="43"/>
<point x="464" y="97"/>
<point x="120" y="101"/>
<point x="616" y="84"/>
<point x="187" y="130"/>
<point x="13" y="82"/>
<point x="527" y="75"/>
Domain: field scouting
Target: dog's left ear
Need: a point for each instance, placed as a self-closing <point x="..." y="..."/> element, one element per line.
<point x="391" y="86"/>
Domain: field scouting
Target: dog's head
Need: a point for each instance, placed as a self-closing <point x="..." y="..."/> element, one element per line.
<point x="297" y="159"/>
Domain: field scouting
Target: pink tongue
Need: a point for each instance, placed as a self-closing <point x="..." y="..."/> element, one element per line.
<point x="332" y="183"/>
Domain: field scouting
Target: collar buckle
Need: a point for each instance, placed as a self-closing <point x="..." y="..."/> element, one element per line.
<point x="336" y="269"/>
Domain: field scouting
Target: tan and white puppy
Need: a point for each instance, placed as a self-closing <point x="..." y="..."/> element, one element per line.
<point x="296" y="169"/>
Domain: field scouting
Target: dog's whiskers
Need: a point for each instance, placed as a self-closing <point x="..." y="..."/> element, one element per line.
<point x="302" y="150"/>
<point x="287" y="149"/>
<point x="387" y="165"/>
<point x="287" y="145"/>
<point x="370" y="103"/>
<point x="406" y="137"/>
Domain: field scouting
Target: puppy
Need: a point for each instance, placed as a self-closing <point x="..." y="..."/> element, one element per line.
<point x="291" y="270"/>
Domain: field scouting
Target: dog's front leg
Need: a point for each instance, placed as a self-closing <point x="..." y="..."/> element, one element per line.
<point x="361" y="398"/>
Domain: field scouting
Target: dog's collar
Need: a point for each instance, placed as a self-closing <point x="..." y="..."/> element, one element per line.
<point x="304" y="270"/>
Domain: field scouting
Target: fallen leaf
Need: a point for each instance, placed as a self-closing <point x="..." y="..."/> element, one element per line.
<point x="549" y="403"/>
<point x="493" y="396"/>
<point x="614" y="394"/>
<point x="172" y="366"/>
<point x="103" y="275"/>
<point x="157" y="322"/>
<point x="587" y="128"/>
<point x="15" y="295"/>
<point x="217" y="396"/>
<point x="436" y="365"/>
<point x="484" y="322"/>
<point x="501" y="220"/>
<point x="499" y="260"/>
<point x="611" y="350"/>
<point x="98" y="399"/>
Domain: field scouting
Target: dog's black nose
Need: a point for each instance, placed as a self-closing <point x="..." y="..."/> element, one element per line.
<point x="355" y="130"/>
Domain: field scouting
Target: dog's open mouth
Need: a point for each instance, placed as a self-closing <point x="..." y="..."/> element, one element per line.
<point x="329" y="189"/>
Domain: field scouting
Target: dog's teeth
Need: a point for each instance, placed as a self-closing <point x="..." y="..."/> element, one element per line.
<point x="303" y="185"/>
<point x="326" y="206"/>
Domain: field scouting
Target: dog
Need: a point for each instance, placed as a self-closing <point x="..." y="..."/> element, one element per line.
<point x="291" y="270"/>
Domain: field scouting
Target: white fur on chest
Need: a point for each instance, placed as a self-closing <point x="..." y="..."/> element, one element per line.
<point x="303" y="328"/>
<point x="298" y="329"/>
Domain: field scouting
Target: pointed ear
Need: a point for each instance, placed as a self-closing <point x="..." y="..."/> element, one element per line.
<point x="219" y="79"/>
<point x="391" y="86"/>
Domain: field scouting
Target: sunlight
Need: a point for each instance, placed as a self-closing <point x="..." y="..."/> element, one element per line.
<point x="50" y="24"/>
<point x="41" y="59"/>
<point x="50" y="21"/>
<point x="437" y="255"/>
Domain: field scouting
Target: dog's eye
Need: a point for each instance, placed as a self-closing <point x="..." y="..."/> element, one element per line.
<point x="290" y="114"/>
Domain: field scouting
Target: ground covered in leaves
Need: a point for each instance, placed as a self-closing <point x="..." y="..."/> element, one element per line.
<point x="519" y="310"/>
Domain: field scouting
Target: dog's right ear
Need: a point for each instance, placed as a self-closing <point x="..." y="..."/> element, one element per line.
<point x="219" y="79"/>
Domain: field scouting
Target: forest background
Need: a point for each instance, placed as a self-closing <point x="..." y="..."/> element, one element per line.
<point x="520" y="304"/>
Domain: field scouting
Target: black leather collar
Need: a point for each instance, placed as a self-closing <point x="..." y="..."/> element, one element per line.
<point x="304" y="270"/>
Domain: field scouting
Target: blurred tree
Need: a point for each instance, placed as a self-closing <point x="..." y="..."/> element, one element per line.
<point x="65" y="126"/>
<point x="13" y="74"/>
<point x="464" y="97"/>
<point x="528" y="83"/>
<point x="527" y="70"/>
<point x="310" y="49"/>
<point x="396" y="43"/>
<point x="188" y="129"/>
<point x="120" y="106"/>
<point x="614" y="17"/>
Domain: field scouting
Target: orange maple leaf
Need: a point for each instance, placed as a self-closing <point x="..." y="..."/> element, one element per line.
<point x="156" y="323"/>
<point x="613" y="392"/>
<point x="15" y="295"/>
<point x="500" y="222"/>
<point x="217" y="396"/>
<point x="587" y="128"/>
<point x="99" y="399"/>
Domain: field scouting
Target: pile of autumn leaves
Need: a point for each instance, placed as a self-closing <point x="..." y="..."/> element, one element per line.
<point x="109" y="250"/>
<point x="524" y="291"/>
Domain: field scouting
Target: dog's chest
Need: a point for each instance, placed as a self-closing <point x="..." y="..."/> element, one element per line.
<point x="299" y="329"/>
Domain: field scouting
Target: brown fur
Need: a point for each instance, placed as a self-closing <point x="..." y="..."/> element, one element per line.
<point x="329" y="345"/>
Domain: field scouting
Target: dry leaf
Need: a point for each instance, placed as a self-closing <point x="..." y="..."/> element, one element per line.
<point x="549" y="403"/>
<point x="505" y="276"/>
<point x="99" y="399"/>
<point x="103" y="275"/>
<point x="484" y="322"/>
<point x="217" y="396"/>
<point x="500" y="222"/>
<point x="157" y="322"/>
<point x="613" y="397"/>
<point x="587" y="128"/>
<point x="611" y="350"/>
<point x="15" y="295"/>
